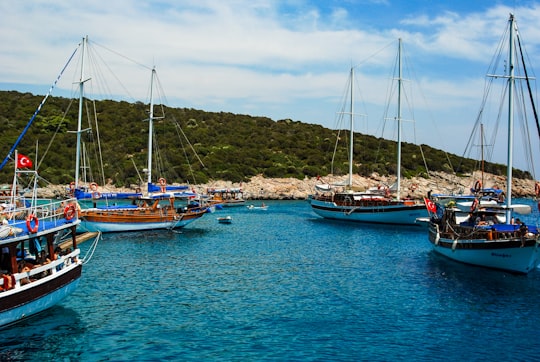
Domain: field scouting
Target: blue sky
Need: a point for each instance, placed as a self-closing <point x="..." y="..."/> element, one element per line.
<point x="280" y="59"/>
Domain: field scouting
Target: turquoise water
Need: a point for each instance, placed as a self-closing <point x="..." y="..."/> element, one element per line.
<point x="279" y="285"/>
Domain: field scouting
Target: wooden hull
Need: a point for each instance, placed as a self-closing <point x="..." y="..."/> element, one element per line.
<point x="121" y="220"/>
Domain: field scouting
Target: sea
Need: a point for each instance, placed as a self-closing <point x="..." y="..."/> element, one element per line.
<point x="282" y="285"/>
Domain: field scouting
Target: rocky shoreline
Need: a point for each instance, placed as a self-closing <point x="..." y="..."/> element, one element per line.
<point x="261" y="188"/>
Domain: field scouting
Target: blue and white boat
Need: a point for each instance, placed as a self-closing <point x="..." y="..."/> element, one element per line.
<point x="40" y="263"/>
<point x="482" y="239"/>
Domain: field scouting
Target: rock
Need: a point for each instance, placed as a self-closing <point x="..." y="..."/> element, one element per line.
<point x="293" y="189"/>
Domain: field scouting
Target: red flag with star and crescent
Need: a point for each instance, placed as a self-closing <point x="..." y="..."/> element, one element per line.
<point x="23" y="161"/>
<point x="430" y="205"/>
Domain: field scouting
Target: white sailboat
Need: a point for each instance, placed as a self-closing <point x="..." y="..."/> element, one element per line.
<point x="489" y="243"/>
<point x="372" y="206"/>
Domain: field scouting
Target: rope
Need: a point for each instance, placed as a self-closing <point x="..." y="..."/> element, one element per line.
<point x="92" y="249"/>
<point x="171" y="228"/>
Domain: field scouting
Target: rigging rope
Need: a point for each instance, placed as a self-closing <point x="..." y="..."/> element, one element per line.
<point x="528" y="86"/>
<point x="8" y="156"/>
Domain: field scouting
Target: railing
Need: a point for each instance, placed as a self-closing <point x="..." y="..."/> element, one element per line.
<point x="33" y="216"/>
<point x="41" y="272"/>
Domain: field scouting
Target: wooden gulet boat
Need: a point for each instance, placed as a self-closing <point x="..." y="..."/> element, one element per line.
<point x="146" y="214"/>
<point x="168" y="208"/>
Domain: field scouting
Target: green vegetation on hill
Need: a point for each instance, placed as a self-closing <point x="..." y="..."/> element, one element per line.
<point x="230" y="146"/>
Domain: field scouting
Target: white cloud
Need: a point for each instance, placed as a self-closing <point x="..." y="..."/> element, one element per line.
<point x="281" y="59"/>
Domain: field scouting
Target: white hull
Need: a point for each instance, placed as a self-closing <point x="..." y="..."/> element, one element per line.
<point x="39" y="305"/>
<point x="495" y="254"/>
<point x="388" y="214"/>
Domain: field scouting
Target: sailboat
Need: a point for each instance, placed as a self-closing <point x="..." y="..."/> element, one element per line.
<point x="37" y="271"/>
<point x="375" y="206"/>
<point x="162" y="207"/>
<point x="479" y="196"/>
<point x="479" y="241"/>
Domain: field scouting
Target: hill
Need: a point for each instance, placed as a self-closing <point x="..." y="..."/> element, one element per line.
<point x="197" y="146"/>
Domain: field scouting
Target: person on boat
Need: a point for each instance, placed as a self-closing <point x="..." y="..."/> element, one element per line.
<point x="481" y="220"/>
<point x="24" y="268"/>
<point x="4" y="216"/>
<point x="523" y="230"/>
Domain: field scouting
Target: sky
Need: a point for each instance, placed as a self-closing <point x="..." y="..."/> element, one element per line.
<point x="279" y="59"/>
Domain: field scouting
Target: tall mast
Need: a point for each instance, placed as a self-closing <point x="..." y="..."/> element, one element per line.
<point x="151" y="127"/>
<point x="79" y="118"/>
<point x="399" y="124"/>
<point x="352" y="130"/>
<point x="511" y="81"/>
<point x="482" y="151"/>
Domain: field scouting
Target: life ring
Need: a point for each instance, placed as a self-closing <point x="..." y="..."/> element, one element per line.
<point x="474" y="205"/>
<point x="162" y="181"/>
<point x="537" y="189"/>
<point x="96" y="195"/>
<point x="69" y="212"/>
<point x="93" y="186"/>
<point x="478" y="185"/>
<point x="29" y="220"/>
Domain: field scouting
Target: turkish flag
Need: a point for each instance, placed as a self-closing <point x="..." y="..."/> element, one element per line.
<point x="430" y="205"/>
<point x="23" y="161"/>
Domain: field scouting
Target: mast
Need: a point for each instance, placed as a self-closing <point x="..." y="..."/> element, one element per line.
<point x="352" y="130"/>
<point x="399" y="124"/>
<point x="79" y="118"/>
<point x="511" y="81"/>
<point x="151" y="127"/>
<point x="482" y="151"/>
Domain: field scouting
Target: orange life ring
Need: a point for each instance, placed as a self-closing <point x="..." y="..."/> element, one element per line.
<point x="537" y="189"/>
<point x="93" y="186"/>
<point x="69" y="212"/>
<point x="162" y="181"/>
<point x="474" y="205"/>
<point x="29" y="220"/>
<point x="478" y="185"/>
<point x="96" y="195"/>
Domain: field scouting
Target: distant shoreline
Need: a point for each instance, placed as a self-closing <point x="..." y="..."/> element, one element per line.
<point x="261" y="188"/>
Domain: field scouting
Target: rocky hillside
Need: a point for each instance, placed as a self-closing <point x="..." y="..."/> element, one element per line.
<point x="260" y="187"/>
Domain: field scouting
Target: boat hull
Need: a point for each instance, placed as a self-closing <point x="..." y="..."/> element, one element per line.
<point x="35" y="297"/>
<point x="509" y="254"/>
<point x="400" y="214"/>
<point x="108" y="222"/>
